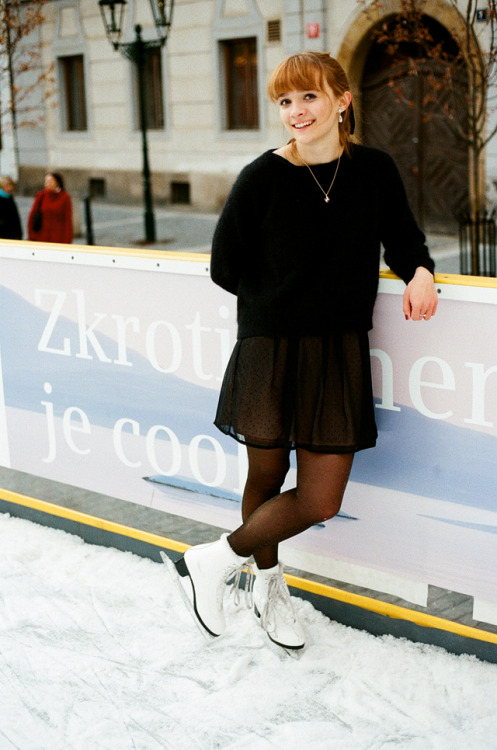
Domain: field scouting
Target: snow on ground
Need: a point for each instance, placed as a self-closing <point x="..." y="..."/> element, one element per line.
<point x="98" y="653"/>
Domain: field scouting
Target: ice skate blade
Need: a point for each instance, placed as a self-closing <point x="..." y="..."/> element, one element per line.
<point x="295" y="653"/>
<point x="283" y="652"/>
<point x="278" y="647"/>
<point x="173" y="572"/>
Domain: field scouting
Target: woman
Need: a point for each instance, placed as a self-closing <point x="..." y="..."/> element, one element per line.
<point x="50" y="218"/>
<point x="10" y="223"/>
<point x="298" y="242"/>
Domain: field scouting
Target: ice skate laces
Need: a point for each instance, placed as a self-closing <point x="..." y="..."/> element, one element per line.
<point x="278" y="603"/>
<point x="247" y="589"/>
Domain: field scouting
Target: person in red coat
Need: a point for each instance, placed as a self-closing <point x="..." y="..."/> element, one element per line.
<point x="53" y="205"/>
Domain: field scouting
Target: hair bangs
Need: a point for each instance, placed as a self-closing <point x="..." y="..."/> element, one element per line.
<point x="298" y="73"/>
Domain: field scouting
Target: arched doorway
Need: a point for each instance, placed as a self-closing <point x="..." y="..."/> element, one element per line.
<point x="431" y="156"/>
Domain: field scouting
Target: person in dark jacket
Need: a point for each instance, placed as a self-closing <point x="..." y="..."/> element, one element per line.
<point x="299" y="243"/>
<point x="10" y="222"/>
<point x="50" y="218"/>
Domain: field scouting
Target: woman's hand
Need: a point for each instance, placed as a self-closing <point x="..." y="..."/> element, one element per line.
<point x="420" y="296"/>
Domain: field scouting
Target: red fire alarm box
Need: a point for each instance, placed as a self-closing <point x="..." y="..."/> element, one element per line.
<point x="312" y="30"/>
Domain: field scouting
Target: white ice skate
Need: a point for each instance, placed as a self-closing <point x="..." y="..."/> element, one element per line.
<point x="202" y="574"/>
<point x="274" y="609"/>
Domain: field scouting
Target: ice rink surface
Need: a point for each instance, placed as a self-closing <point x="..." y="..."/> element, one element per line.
<point x="98" y="653"/>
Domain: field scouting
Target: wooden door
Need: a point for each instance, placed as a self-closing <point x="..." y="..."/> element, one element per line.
<point x="432" y="158"/>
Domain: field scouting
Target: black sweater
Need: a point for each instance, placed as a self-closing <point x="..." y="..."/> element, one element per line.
<point x="300" y="266"/>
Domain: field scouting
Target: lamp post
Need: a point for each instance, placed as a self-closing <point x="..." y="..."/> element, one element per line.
<point x="137" y="51"/>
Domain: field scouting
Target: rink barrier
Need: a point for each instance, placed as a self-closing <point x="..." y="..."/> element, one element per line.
<point x="75" y="270"/>
<point x="354" y="610"/>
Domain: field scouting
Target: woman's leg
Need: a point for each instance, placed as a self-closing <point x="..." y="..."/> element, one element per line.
<point x="267" y="469"/>
<point x="321" y="482"/>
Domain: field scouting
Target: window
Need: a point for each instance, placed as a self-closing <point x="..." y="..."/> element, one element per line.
<point x="153" y="96"/>
<point x="73" y="90"/>
<point x="240" y="70"/>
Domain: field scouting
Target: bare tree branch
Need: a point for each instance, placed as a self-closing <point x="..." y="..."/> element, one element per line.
<point x="21" y="61"/>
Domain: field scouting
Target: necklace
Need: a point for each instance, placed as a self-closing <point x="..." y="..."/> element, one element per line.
<point x="327" y="192"/>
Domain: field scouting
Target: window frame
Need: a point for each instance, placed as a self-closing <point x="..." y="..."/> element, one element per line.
<point x="72" y="79"/>
<point x="242" y="113"/>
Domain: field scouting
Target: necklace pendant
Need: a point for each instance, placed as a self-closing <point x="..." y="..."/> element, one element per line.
<point x="326" y="199"/>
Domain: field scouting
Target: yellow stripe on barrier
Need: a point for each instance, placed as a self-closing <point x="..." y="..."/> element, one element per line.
<point x="100" y="523"/>
<point x="178" y="255"/>
<point x="391" y="610"/>
<point x="182" y="255"/>
<point x="357" y="600"/>
<point x="487" y="282"/>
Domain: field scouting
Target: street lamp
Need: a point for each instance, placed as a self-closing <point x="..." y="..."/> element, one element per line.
<point x="113" y="12"/>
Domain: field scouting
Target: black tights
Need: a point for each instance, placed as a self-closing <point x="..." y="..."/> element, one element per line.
<point x="271" y="516"/>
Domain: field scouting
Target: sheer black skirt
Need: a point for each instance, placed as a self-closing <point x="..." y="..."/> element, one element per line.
<point x="311" y="392"/>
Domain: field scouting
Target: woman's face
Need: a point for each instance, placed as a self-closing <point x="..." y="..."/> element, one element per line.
<point x="51" y="183"/>
<point x="311" y="115"/>
<point x="8" y="186"/>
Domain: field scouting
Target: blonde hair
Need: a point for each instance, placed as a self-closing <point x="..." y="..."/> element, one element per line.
<point x="4" y="179"/>
<point x="311" y="70"/>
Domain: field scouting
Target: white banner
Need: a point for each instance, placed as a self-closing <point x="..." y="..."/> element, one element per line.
<point x="111" y="365"/>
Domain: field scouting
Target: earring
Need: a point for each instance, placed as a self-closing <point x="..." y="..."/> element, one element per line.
<point x="340" y="119"/>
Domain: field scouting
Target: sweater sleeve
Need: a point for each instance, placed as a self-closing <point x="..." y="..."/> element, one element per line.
<point x="403" y="241"/>
<point x="235" y="238"/>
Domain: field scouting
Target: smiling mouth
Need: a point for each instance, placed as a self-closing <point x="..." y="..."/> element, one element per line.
<point x="301" y="125"/>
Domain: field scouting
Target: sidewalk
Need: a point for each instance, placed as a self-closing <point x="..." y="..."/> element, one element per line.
<point x="118" y="225"/>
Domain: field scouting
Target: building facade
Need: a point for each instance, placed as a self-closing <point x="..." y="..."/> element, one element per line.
<point x="207" y="111"/>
